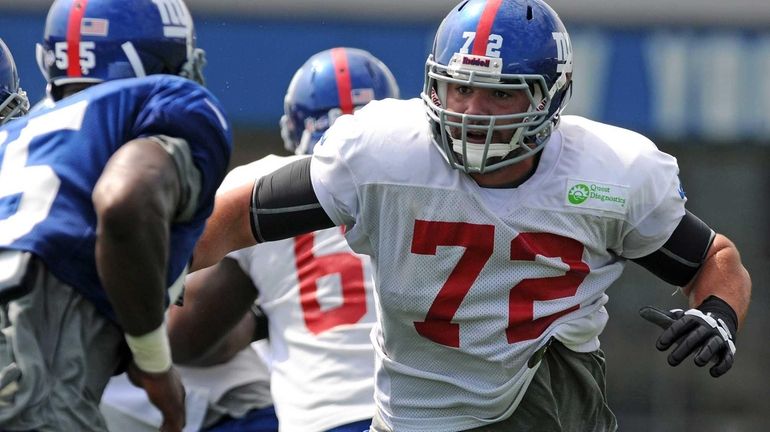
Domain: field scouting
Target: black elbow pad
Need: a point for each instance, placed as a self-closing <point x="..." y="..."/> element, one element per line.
<point x="680" y="258"/>
<point x="284" y="205"/>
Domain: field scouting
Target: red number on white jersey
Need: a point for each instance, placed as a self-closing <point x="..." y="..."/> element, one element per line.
<point x="525" y="247"/>
<point x="478" y="241"/>
<point x="311" y="267"/>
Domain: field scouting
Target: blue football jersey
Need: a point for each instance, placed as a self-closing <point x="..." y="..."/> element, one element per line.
<point x="50" y="161"/>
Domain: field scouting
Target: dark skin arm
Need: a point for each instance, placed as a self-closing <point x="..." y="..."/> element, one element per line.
<point x="135" y="200"/>
<point x="215" y="322"/>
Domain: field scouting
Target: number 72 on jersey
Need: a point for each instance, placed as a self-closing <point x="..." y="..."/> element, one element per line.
<point x="478" y="241"/>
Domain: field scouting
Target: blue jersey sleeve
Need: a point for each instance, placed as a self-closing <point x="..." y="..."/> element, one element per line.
<point x="183" y="109"/>
<point x="59" y="153"/>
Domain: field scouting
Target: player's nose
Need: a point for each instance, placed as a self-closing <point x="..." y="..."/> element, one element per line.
<point x="478" y="103"/>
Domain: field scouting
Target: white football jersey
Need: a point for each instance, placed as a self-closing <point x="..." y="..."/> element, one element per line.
<point x="472" y="281"/>
<point x="318" y="297"/>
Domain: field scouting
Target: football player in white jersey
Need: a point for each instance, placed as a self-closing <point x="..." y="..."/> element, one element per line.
<point x="317" y="294"/>
<point x="495" y="228"/>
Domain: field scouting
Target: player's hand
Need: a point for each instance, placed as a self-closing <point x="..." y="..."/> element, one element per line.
<point x="166" y="392"/>
<point x="707" y="334"/>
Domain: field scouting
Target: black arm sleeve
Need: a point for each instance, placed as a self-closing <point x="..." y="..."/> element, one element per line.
<point x="284" y="205"/>
<point x="680" y="258"/>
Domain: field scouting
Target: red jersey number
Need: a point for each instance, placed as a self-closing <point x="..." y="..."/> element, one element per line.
<point x="311" y="268"/>
<point x="478" y="241"/>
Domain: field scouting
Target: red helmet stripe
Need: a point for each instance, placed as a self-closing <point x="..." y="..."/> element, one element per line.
<point x="342" y="73"/>
<point x="73" y="37"/>
<point x="485" y="27"/>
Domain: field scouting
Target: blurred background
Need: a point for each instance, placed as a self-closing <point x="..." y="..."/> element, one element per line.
<point x="693" y="75"/>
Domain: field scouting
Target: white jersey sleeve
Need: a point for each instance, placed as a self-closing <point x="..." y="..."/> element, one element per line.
<point x="472" y="281"/>
<point x="318" y="297"/>
<point x="623" y="166"/>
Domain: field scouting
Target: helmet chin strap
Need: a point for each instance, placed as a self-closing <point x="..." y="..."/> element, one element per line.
<point x="474" y="152"/>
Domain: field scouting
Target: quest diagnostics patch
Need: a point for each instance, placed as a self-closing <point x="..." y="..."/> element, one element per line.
<point x="597" y="196"/>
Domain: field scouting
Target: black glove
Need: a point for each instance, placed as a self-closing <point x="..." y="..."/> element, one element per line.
<point x="710" y="329"/>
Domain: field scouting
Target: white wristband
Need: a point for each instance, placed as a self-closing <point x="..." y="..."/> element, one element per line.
<point x="152" y="352"/>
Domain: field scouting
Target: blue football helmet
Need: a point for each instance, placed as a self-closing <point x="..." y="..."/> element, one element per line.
<point x="13" y="100"/>
<point x="331" y="83"/>
<point x="90" y="41"/>
<point x="506" y="45"/>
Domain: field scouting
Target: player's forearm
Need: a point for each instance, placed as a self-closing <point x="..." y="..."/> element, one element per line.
<point x="221" y="350"/>
<point x="215" y="301"/>
<point x="131" y="261"/>
<point x="190" y="333"/>
<point x="724" y="276"/>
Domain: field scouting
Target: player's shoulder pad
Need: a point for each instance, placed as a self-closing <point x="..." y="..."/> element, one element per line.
<point x="622" y="155"/>
<point x="391" y="114"/>
<point x="381" y="126"/>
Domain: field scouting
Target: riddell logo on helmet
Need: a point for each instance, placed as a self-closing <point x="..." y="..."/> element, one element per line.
<point x="475" y="61"/>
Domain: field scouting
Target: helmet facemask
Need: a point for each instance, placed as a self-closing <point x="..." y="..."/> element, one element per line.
<point x="13" y="100"/>
<point x="15" y="105"/>
<point x="531" y="128"/>
<point x="192" y="69"/>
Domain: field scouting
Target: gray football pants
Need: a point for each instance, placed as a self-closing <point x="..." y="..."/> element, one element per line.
<point x="567" y="394"/>
<point x="56" y="355"/>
